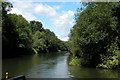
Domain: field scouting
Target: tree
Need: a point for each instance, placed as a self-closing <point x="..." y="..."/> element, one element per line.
<point x="95" y="34"/>
<point x="39" y="42"/>
<point x="36" y="26"/>
<point x="17" y="34"/>
<point x="6" y="6"/>
<point x="21" y="37"/>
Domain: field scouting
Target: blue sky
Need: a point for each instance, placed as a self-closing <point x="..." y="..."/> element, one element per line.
<point x="56" y="16"/>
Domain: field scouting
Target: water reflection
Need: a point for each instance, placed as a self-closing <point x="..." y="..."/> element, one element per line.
<point x="51" y="65"/>
<point x="78" y="72"/>
<point x="38" y="66"/>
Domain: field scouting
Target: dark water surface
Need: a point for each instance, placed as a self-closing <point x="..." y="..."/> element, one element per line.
<point x="93" y="72"/>
<point x="51" y="65"/>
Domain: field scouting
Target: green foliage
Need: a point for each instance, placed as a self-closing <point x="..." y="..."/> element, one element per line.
<point x="38" y="41"/>
<point x="34" y="51"/>
<point x="6" y="6"/>
<point x="36" y="26"/>
<point x="96" y="32"/>
<point x="22" y="30"/>
<point x="74" y="61"/>
<point x="22" y="37"/>
<point x="109" y="62"/>
<point x="46" y="41"/>
<point x="16" y="34"/>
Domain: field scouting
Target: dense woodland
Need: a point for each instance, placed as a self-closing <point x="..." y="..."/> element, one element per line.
<point x="22" y="37"/>
<point x="95" y="37"/>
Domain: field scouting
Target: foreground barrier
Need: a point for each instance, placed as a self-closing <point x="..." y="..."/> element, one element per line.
<point x="21" y="77"/>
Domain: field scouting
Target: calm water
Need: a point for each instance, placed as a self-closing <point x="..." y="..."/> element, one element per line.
<point x="51" y="66"/>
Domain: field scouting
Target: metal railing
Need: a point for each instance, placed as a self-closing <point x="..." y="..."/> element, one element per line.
<point x="21" y="77"/>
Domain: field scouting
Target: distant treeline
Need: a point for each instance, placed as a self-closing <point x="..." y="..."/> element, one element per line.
<point x="22" y="37"/>
<point x="95" y="37"/>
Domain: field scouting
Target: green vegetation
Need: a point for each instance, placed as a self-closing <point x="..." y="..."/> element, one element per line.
<point x="94" y="40"/>
<point x="74" y="61"/>
<point x="22" y="37"/>
<point x="95" y="37"/>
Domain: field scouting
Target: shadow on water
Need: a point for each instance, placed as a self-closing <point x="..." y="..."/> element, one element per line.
<point x="51" y="65"/>
<point x="80" y="72"/>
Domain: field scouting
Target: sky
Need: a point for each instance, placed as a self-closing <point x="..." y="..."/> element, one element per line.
<point x="56" y="16"/>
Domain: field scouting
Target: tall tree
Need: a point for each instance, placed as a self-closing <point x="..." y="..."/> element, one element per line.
<point x="95" y="34"/>
<point x="36" y="26"/>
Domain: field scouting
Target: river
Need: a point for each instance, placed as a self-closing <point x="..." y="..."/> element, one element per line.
<point x="52" y="65"/>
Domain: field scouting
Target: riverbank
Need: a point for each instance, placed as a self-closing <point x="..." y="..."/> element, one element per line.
<point x="111" y="62"/>
<point x="79" y="71"/>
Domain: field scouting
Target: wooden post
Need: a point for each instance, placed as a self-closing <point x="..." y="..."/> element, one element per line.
<point x="6" y="75"/>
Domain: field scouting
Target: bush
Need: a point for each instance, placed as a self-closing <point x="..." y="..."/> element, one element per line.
<point x="74" y="61"/>
<point x="110" y="62"/>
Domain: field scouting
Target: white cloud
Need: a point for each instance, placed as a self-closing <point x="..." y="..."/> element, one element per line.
<point x="21" y="8"/>
<point x="15" y="11"/>
<point x="64" y="38"/>
<point x="62" y="21"/>
<point x="26" y="15"/>
<point x="45" y="10"/>
<point x="63" y="24"/>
